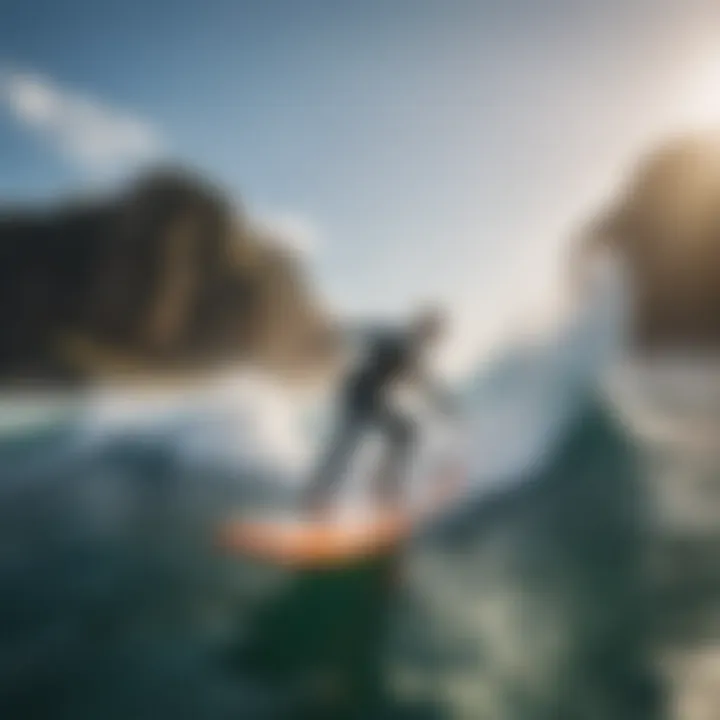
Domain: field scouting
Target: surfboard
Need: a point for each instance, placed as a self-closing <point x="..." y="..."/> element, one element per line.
<point x="314" y="542"/>
<point x="299" y="541"/>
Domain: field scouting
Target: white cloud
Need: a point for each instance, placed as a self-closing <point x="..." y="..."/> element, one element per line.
<point x="91" y="134"/>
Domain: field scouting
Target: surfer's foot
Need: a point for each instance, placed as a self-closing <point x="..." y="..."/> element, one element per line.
<point x="319" y="509"/>
<point x="387" y="506"/>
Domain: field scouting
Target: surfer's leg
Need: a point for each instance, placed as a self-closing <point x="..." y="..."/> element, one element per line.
<point x="327" y="477"/>
<point x="400" y="434"/>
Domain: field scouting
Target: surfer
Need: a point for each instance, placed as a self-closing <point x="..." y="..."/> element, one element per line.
<point x="394" y="357"/>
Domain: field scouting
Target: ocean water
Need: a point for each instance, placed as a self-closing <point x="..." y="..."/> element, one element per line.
<point x="561" y="584"/>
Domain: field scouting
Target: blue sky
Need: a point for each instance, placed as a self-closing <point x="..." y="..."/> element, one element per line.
<point x="437" y="148"/>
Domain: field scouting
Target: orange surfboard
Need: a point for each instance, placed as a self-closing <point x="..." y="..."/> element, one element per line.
<point x="313" y="542"/>
<point x="307" y="542"/>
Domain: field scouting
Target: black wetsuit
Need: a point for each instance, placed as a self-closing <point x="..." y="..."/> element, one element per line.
<point x="365" y="403"/>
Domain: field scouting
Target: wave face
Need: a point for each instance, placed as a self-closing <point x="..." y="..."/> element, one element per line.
<point x="522" y="402"/>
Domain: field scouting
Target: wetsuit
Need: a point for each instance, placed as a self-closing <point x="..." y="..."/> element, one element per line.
<point x="366" y="405"/>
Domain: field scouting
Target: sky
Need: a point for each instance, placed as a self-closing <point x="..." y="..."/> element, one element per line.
<point x="418" y="150"/>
